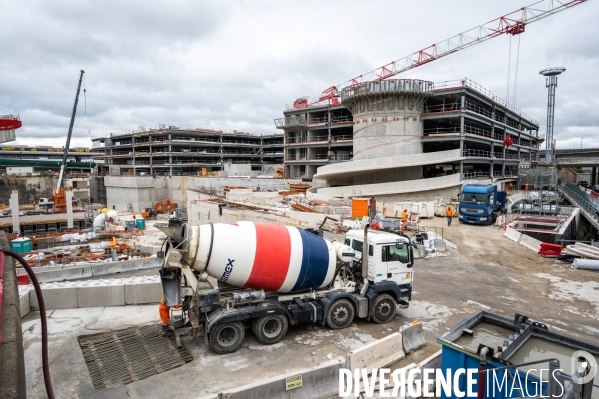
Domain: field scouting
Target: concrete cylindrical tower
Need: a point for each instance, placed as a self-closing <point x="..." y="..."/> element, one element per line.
<point x="387" y="116"/>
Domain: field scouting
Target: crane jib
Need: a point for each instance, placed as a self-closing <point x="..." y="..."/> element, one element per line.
<point x="63" y="165"/>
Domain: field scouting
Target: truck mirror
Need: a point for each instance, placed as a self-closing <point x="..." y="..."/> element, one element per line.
<point x="399" y="245"/>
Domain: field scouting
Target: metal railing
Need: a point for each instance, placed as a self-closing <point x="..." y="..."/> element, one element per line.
<point x="475" y="175"/>
<point x="437" y="109"/>
<point x="578" y="196"/>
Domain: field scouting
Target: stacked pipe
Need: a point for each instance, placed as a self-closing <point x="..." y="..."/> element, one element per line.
<point x="587" y="256"/>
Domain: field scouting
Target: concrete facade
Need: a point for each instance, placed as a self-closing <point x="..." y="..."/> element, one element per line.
<point x="135" y="193"/>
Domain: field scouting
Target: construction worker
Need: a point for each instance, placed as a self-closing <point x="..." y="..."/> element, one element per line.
<point x="404" y="218"/>
<point x="165" y="315"/>
<point x="449" y="214"/>
<point x="258" y="188"/>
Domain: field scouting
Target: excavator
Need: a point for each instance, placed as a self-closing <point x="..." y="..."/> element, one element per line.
<point x="161" y="207"/>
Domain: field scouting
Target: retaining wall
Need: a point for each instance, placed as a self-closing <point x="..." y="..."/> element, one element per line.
<point x="12" y="361"/>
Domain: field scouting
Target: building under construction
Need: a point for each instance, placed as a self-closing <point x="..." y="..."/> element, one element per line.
<point x="393" y="136"/>
<point x="171" y="151"/>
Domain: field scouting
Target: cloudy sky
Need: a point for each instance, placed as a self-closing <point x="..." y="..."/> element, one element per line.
<point x="236" y="64"/>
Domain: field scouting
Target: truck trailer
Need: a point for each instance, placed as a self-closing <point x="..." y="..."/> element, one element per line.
<point x="271" y="276"/>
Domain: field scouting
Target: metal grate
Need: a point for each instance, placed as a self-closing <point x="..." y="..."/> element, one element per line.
<point x="120" y="357"/>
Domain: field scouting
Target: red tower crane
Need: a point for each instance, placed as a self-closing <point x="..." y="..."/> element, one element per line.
<point x="513" y="23"/>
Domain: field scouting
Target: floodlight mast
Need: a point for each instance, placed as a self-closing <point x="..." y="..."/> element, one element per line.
<point x="551" y="84"/>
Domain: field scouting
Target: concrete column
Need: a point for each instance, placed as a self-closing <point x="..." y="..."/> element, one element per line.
<point x="503" y="168"/>
<point x="170" y="154"/>
<point x="133" y="152"/>
<point x="69" y="199"/>
<point x="461" y="169"/>
<point x="504" y="136"/>
<point x="150" y="143"/>
<point x="14" y="206"/>
<point x="593" y="176"/>
<point x="329" y="136"/>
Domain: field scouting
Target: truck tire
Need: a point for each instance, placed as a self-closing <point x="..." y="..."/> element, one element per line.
<point x="340" y="314"/>
<point x="226" y="337"/>
<point x="383" y="308"/>
<point x="270" y="329"/>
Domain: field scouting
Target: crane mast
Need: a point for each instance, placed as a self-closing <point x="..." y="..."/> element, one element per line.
<point x="513" y="23"/>
<point x="63" y="166"/>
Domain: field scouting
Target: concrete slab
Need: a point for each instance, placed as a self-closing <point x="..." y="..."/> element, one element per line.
<point x="377" y="354"/>
<point x="101" y="294"/>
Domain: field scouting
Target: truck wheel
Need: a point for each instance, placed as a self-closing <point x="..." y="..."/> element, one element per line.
<point x="226" y="337"/>
<point x="383" y="308"/>
<point x="340" y="314"/>
<point x="270" y="329"/>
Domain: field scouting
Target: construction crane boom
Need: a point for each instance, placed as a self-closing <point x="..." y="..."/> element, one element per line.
<point x="513" y="23"/>
<point x="65" y="153"/>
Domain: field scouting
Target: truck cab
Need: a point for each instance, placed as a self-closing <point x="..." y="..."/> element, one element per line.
<point x="480" y="203"/>
<point x="387" y="261"/>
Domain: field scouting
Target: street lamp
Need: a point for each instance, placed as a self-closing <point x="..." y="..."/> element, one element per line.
<point x="582" y="138"/>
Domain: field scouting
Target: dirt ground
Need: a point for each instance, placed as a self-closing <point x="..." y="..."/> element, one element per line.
<point x="487" y="271"/>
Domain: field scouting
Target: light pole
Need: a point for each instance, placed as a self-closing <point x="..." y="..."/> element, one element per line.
<point x="551" y="84"/>
<point x="582" y="138"/>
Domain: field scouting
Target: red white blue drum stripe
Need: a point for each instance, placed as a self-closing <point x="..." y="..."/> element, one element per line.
<point x="266" y="256"/>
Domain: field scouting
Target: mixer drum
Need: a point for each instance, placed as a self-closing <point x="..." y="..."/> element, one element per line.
<point x="263" y="256"/>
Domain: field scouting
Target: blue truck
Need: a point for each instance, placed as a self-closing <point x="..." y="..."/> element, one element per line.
<point x="481" y="203"/>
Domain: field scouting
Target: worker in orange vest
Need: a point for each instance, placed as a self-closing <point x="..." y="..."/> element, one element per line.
<point x="165" y="315"/>
<point x="449" y="214"/>
<point x="404" y="218"/>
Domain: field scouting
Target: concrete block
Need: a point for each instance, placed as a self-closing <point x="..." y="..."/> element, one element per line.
<point x="24" y="300"/>
<point x="377" y="354"/>
<point x="101" y="293"/>
<point x="140" y="290"/>
<point x="65" y="274"/>
<point x="321" y="381"/>
<point x="512" y="234"/>
<point x="56" y="296"/>
<point x="412" y="336"/>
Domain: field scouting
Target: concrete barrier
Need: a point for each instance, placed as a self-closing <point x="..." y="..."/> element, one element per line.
<point x="321" y="381"/>
<point x="51" y="274"/>
<point x="101" y="294"/>
<point x="24" y="300"/>
<point x="513" y="234"/>
<point x="413" y="336"/>
<point x="377" y="354"/>
<point x="59" y="296"/>
<point x="102" y="269"/>
<point x="94" y="293"/>
<point x="141" y="290"/>
<point x="66" y="274"/>
<point x="530" y="243"/>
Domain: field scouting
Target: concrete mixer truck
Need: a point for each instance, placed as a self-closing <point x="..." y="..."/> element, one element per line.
<point x="271" y="276"/>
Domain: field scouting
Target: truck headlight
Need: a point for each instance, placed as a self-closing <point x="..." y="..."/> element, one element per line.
<point x="483" y="219"/>
<point x="461" y="217"/>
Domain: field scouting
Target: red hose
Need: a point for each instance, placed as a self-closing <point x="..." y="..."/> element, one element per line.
<point x="40" y="299"/>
